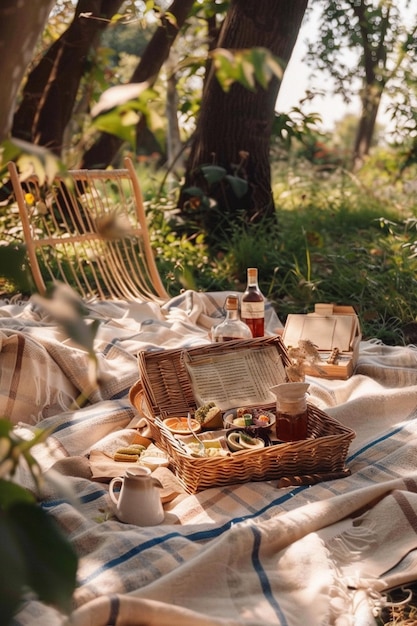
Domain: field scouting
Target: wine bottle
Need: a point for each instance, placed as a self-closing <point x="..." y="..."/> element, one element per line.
<point x="232" y="327"/>
<point x="253" y="305"/>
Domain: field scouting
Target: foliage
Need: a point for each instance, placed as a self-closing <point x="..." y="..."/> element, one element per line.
<point x="368" y="49"/>
<point x="213" y="177"/>
<point x="342" y="244"/>
<point x="183" y="259"/>
<point x="338" y="238"/>
<point x="379" y="29"/>
<point x="31" y="159"/>
<point x="293" y="126"/>
<point x="38" y="556"/>
<point x="119" y="110"/>
<point x="252" y="67"/>
<point x="124" y="37"/>
<point x="14" y="266"/>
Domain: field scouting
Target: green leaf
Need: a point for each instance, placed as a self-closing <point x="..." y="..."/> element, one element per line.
<point x="30" y="159"/>
<point x="118" y="96"/>
<point x="9" y="151"/>
<point x="112" y="123"/>
<point x="13" y="264"/>
<point x="68" y="310"/>
<point x="12" y="576"/>
<point x="51" y="560"/>
<point x="170" y="17"/>
<point x="246" y="66"/>
<point x="117" y="17"/>
<point x="213" y="173"/>
<point x="238" y="185"/>
<point x="194" y="191"/>
<point x="129" y="118"/>
<point x="6" y="427"/>
<point x="247" y="78"/>
<point x="119" y="108"/>
<point x="225" y="67"/>
<point x="275" y="66"/>
<point x="11" y="494"/>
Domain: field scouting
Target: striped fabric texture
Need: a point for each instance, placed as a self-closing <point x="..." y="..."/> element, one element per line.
<point x="251" y="554"/>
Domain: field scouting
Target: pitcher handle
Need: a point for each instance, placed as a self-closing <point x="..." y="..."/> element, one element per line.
<point x="113" y="483"/>
<point x="156" y="482"/>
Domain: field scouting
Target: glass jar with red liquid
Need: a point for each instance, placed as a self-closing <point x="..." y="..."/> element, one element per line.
<point x="292" y="411"/>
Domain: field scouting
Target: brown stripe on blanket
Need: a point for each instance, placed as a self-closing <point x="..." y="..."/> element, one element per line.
<point x="16" y="375"/>
<point x="410" y="484"/>
<point x="114" y="610"/>
<point x="407" y="509"/>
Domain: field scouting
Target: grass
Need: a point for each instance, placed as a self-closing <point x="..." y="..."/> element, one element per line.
<point x="338" y="238"/>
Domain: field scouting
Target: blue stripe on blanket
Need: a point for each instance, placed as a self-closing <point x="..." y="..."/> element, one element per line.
<point x="89" y="413"/>
<point x="195" y="537"/>
<point x="167" y="541"/>
<point x="374" y="442"/>
<point x="263" y="577"/>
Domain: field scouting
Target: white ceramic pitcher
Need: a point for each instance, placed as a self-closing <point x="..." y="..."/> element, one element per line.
<point x="139" y="501"/>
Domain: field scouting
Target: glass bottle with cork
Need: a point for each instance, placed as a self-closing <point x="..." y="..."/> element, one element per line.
<point x="253" y="305"/>
<point x="232" y="327"/>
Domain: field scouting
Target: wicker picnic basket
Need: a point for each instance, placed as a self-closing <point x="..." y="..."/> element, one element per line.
<point x="164" y="389"/>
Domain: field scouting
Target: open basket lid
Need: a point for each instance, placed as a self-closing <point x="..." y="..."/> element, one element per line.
<point x="175" y="381"/>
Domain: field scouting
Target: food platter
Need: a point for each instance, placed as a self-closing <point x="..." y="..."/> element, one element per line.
<point x="236" y="430"/>
<point x="243" y="417"/>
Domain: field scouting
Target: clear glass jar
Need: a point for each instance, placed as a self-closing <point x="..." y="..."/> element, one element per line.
<point x="253" y="305"/>
<point x="232" y="327"/>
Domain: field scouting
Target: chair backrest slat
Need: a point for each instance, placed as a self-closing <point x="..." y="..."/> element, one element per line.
<point x="88" y="228"/>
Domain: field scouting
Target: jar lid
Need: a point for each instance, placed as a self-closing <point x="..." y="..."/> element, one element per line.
<point x="290" y="392"/>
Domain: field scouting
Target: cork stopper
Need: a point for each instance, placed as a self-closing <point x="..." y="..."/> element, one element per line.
<point x="232" y="303"/>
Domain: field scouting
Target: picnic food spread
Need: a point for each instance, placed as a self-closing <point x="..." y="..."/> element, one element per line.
<point x="246" y="429"/>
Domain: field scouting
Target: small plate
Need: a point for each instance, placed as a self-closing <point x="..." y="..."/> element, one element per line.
<point x="230" y="417"/>
<point x="179" y="425"/>
<point x="239" y="440"/>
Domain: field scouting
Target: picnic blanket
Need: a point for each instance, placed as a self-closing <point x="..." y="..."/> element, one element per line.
<point x="251" y="553"/>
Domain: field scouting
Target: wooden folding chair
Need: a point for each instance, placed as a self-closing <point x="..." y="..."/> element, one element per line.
<point x="88" y="229"/>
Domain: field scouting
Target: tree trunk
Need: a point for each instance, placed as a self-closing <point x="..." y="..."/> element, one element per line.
<point x="174" y="152"/>
<point x="371" y="100"/>
<point x="375" y="61"/>
<point x="21" y="24"/>
<point x="105" y="149"/>
<point x="51" y="89"/>
<point x="235" y="127"/>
